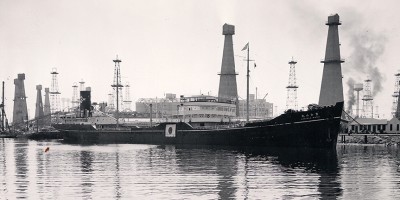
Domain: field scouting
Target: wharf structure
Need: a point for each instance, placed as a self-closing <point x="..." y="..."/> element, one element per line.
<point x="20" y="112"/>
<point x="39" y="113"/>
<point x="46" y="108"/>
<point x="331" y="85"/>
<point x="227" y="83"/>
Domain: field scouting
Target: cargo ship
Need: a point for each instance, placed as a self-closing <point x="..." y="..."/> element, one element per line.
<point x="318" y="127"/>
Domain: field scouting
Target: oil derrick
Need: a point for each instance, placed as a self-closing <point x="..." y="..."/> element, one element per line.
<point x="227" y="83"/>
<point x="397" y="114"/>
<point x="331" y="85"/>
<point x="75" y="101"/>
<point x="396" y="93"/>
<point x="54" y="92"/>
<point x="39" y="105"/>
<point x="291" y="100"/>
<point x="46" y="108"/>
<point x="102" y="106"/>
<point x="367" y="99"/>
<point x="117" y="86"/>
<point x="65" y="104"/>
<point x="20" y="113"/>
<point x="82" y="85"/>
<point x="127" y="101"/>
<point x="3" y="112"/>
<point x="111" y="106"/>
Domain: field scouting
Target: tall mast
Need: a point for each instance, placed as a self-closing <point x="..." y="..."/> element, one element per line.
<point x="248" y="75"/>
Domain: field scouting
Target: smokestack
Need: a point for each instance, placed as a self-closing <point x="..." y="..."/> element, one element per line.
<point x="227" y="82"/>
<point x="331" y="86"/>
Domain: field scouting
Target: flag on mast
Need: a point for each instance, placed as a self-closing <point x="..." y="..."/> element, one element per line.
<point x="245" y="47"/>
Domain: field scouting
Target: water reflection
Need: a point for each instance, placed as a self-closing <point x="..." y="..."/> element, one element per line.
<point x="117" y="178"/>
<point x="86" y="158"/>
<point x="22" y="182"/>
<point x="4" y="170"/>
<point x="370" y="170"/>
<point x="207" y="162"/>
<point x="238" y="168"/>
<point x="40" y="171"/>
<point x="182" y="172"/>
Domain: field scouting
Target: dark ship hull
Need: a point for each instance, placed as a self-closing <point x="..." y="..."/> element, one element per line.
<point x="317" y="128"/>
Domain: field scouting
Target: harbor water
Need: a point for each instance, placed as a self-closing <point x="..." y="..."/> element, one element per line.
<point x="134" y="171"/>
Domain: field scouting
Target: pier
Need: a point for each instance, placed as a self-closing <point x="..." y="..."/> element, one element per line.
<point x="364" y="138"/>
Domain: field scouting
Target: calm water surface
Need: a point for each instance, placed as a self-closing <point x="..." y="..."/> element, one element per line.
<point x="174" y="172"/>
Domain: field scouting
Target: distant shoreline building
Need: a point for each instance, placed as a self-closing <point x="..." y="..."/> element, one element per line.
<point x="258" y="108"/>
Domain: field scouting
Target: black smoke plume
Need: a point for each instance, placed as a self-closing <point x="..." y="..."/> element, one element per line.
<point x="350" y="93"/>
<point x="368" y="47"/>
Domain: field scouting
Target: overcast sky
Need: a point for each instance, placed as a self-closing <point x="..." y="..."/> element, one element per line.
<point x="176" y="46"/>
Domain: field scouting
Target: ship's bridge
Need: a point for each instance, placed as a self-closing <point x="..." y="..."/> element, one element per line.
<point x="205" y="109"/>
<point x="205" y="98"/>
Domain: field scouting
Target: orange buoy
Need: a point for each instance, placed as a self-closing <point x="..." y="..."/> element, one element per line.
<point x="47" y="149"/>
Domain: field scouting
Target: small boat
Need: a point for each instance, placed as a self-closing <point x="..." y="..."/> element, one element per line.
<point x="46" y="133"/>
